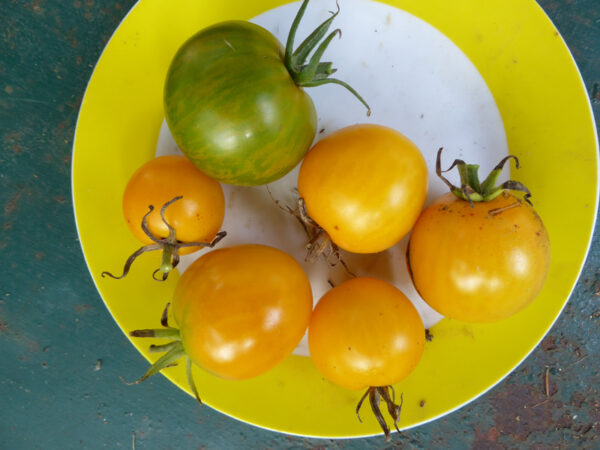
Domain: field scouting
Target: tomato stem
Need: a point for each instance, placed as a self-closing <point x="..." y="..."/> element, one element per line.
<point x="309" y="71"/>
<point x="167" y="360"/>
<point x="170" y="246"/>
<point x="160" y="333"/>
<point x="297" y="58"/>
<point x="190" y="378"/>
<point x="167" y="259"/>
<point x="314" y="73"/>
<point x="375" y="394"/>
<point x="162" y="348"/>
<point x="319" y="242"/>
<point x="173" y="351"/>
<point x="320" y="82"/>
<point x="471" y="189"/>
<point x="164" y="318"/>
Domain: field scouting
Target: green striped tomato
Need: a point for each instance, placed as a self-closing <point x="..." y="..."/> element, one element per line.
<point x="234" y="101"/>
<point x="233" y="108"/>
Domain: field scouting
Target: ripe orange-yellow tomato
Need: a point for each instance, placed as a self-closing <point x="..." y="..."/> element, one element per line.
<point x="242" y="310"/>
<point x="197" y="217"/>
<point x="481" y="263"/>
<point x="365" y="185"/>
<point x="365" y="332"/>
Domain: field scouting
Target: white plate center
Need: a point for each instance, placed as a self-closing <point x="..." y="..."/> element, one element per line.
<point x="416" y="81"/>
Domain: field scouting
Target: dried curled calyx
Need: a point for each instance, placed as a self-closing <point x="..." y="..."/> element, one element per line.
<point x="376" y="393"/>
<point x="169" y="246"/>
<point x="319" y="243"/>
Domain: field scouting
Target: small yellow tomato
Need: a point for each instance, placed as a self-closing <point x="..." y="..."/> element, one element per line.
<point x="365" y="185"/>
<point x="479" y="263"/>
<point x="365" y="332"/>
<point x="242" y="310"/>
<point x="197" y="217"/>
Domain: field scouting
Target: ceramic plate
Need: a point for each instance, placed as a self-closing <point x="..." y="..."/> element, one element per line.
<point x="481" y="79"/>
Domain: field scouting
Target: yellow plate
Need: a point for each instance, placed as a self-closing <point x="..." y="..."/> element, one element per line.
<point x="548" y="124"/>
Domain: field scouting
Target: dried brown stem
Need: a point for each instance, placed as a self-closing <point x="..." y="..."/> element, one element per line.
<point x="169" y="246"/>
<point x="375" y="394"/>
<point x="319" y="242"/>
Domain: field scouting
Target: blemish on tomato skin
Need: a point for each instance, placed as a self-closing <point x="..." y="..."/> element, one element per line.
<point x="335" y="227"/>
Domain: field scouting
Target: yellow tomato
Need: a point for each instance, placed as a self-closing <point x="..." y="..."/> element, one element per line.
<point x="365" y="185"/>
<point x="242" y="310"/>
<point x="197" y="217"/>
<point x="479" y="263"/>
<point x="365" y="332"/>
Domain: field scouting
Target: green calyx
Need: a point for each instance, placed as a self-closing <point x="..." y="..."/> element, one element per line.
<point x="314" y="72"/>
<point x="169" y="246"/>
<point x="471" y="189"/>
<point x="173" y="351"/>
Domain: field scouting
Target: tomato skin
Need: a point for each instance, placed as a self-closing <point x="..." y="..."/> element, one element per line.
<point x="197" y="217"/>
<point x="365" y="332"/>
<point x="234" y="109"/>
<point x="365" y="185"/>
<point x="474" y="266"/>
<point x="242" y="310"/>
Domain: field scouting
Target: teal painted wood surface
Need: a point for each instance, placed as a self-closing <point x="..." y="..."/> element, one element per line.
<point x="61" y="354"/>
